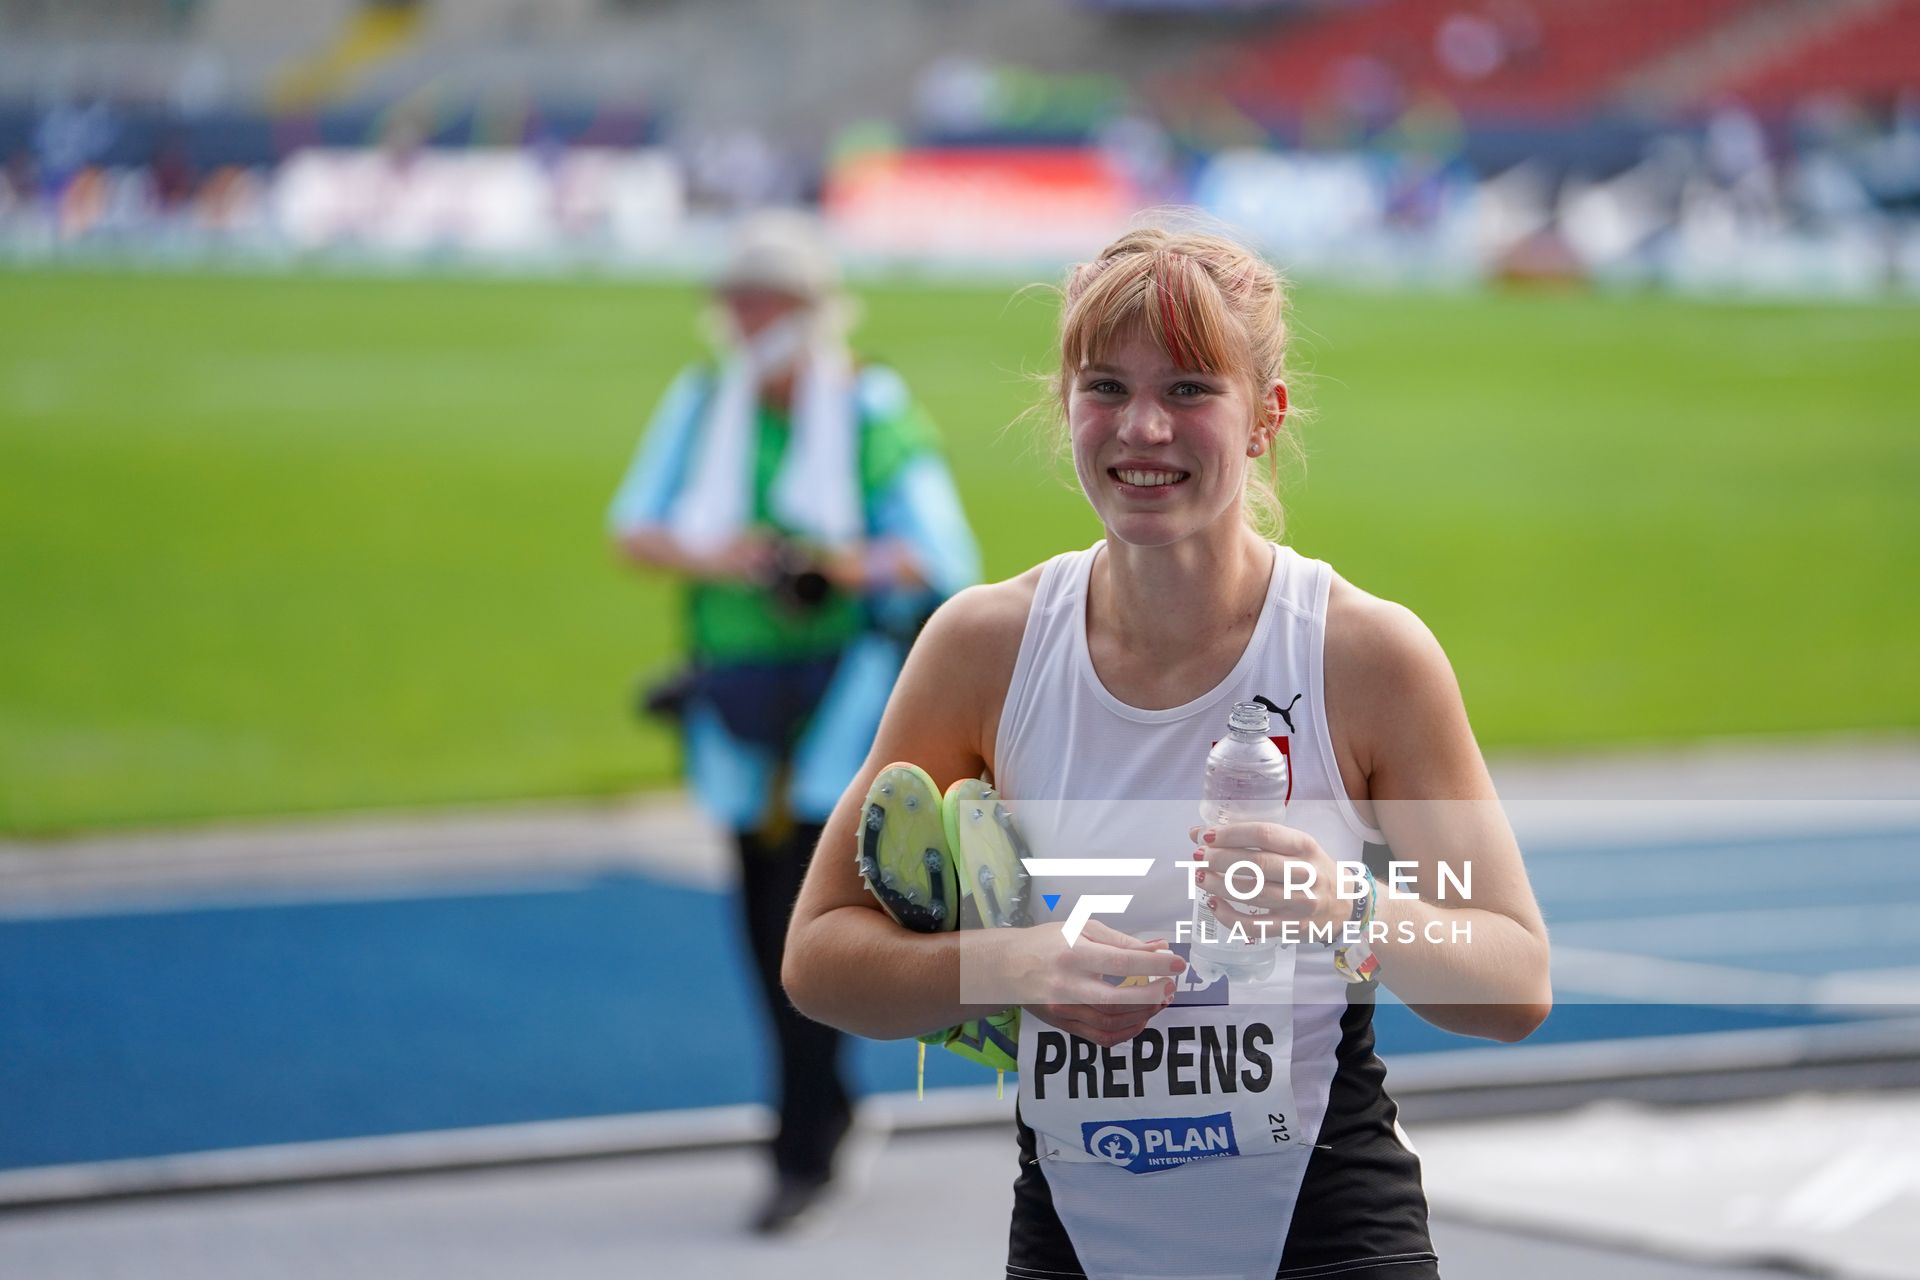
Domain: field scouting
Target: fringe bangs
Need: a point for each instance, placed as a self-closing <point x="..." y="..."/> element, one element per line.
<point x="1169" y="297"/>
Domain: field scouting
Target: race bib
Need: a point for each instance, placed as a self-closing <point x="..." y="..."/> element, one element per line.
<point x="1210" y="1076"/>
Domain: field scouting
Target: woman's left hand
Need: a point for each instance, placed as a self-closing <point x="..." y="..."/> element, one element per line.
<point x="1272" y="847"/>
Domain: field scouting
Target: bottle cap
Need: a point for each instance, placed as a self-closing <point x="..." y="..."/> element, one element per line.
<point x="1248" y="717"/>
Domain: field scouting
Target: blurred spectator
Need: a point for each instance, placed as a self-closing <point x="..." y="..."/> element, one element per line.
<point x="1468" y="46"/>
<point x="68" y="138"/>
<point x="174" y="178"/>
<point x="21" y="180"/>
<point x="1739" y="161"/>
<point x="801" y="496"/>
<point x="955" y="95"/>
<point x="1140" y="149"/>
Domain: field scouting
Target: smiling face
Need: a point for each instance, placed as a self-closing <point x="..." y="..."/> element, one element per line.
<point x="1172" y="355"/>
<point x="1161" y="451"/>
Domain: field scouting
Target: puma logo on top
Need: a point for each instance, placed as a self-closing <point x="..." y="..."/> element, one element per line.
<point x="1285" y="713"/>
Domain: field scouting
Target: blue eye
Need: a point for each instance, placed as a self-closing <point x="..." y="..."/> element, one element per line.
<point x="1105" y="386"/>
<point x="1188" y="390"/>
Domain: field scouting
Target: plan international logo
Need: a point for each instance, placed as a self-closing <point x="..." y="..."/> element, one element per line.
<point x="1141" y="1146"/>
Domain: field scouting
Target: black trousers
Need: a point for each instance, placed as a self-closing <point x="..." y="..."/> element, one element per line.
<point x="814" y="1106"/>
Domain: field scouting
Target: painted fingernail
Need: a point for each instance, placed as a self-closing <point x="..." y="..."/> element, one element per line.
<point x="1200" y="855"/>
<point x="1207" y="836"/>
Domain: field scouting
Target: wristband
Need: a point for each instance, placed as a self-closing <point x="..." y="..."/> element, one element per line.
<point x="1358" y="963"/>
<point x="1363" y="905"/>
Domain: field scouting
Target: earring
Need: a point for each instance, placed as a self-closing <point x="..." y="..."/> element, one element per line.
<point x="1255" y="449"/>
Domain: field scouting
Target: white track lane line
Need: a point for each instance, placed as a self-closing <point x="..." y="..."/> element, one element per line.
<point x="1649" y="980"/>
<point x="106" y="906"/>
<point x="1763" y="931"/>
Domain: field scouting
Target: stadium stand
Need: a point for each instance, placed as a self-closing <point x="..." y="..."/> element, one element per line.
<point x="130" y="125"/>
<point x="1506" y="57"/>
<point x="1874" y="56"/>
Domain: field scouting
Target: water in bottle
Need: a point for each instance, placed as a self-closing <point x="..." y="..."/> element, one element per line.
<point x="1246" y="782"/>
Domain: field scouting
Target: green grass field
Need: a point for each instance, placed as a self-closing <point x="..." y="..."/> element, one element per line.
<point x="276" y="545"/>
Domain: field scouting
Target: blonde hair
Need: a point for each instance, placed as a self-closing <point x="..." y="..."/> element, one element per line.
<point x="1211" y="304"/>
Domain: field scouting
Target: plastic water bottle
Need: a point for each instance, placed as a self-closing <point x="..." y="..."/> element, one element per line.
<point x="1246" y="782"/>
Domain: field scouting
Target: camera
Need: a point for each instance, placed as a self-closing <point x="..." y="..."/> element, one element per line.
<point x="797" y="580"/>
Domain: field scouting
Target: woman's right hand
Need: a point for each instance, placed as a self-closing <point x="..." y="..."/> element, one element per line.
<point x="1072" y="987"/>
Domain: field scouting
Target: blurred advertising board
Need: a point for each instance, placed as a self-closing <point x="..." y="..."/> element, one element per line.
<point x="979" y="202"/>
<point x="1379" y="216"/>
<point x="479" y="200"/>
<point x="1293" y="202"/>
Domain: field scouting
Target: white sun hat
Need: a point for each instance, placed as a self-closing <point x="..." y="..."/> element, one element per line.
<point x="781" y="249"/>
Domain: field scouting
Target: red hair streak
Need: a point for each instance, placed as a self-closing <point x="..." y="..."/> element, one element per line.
<point x="1173" y="317"/>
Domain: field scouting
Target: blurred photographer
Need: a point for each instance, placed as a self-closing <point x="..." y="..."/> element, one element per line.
<point x="802" y="496"/>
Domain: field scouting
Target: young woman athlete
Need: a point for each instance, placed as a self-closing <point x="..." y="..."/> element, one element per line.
<point x="1170" y="1126"/>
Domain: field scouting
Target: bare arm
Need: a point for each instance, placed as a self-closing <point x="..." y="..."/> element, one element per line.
<point x="1472" y="961"/>
<point x="1434" y="800"/>
<point x="848" y="964"/>
<point x="748" y="557"/>
<point x="863" y="566"/>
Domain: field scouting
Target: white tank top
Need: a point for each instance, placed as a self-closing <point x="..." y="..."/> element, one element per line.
<point x="1209" y="1083"/>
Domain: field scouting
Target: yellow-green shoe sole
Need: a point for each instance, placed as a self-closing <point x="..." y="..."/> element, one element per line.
<point x="987" y="850"/>
<point x="988" y="853"/>
<point x="902" y="850"/>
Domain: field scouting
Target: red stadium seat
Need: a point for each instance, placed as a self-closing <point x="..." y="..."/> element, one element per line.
<point x="1488" y="57"/>
<point x="1874" y="56"/>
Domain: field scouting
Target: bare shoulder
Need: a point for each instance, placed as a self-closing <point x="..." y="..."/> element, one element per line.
<point x="960" y="667"/>
<point x="986" y="620"/>
<point x="1391" y="693"/>
<point x="1379" y="641"/>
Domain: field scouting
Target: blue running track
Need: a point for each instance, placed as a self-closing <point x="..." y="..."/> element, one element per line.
<point x="195" y="1027"/>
